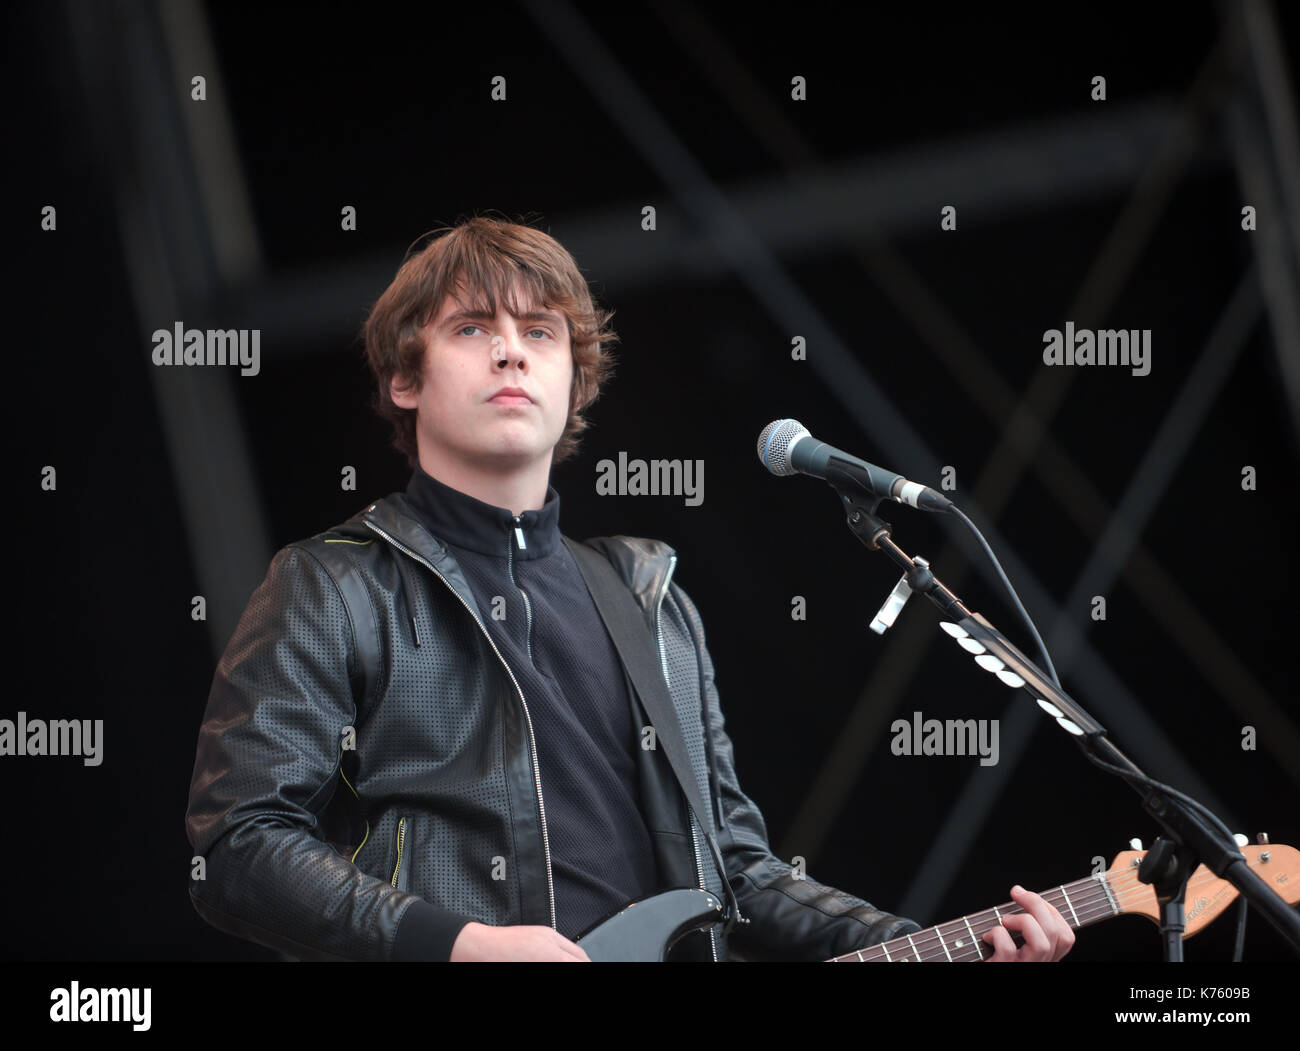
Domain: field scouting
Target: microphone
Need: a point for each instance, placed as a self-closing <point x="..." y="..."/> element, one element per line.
<point x="785" y="447"/>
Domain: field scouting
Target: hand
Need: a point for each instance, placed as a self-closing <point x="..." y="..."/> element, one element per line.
<point x="1047" y="936"/>
<point x="479" y="943"/>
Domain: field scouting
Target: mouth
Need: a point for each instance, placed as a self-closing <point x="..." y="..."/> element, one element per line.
<point x="511" y="396"/>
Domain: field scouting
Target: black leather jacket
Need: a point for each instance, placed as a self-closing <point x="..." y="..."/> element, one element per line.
<point x="358" y="769"/>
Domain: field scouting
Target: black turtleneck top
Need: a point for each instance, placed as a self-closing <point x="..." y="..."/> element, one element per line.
<point x="535" y="604"/>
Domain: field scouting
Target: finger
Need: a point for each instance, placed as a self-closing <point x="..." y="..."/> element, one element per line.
<point x="1004" y="948"/>
<point x="1038" y="947"/>
<point x="1049" y="918"/>
<point x="576" y="953"/>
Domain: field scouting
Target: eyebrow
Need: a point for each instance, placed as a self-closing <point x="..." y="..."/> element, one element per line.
<point x="478" y="315"/>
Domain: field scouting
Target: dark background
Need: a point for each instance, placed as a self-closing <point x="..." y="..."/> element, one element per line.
<point x="775" y="218"/>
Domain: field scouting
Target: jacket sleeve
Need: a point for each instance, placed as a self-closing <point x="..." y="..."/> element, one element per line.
<point x="267" y="765"/>
<point x="790" y="918"/>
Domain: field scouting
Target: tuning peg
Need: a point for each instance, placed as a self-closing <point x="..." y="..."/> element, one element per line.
<point x="1262" y="839"/>
<point x="1135" y="844"/>
<point x="1240" y="840"/>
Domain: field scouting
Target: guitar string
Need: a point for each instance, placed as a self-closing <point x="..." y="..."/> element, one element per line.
<point x="931" y="945"/>
<point x="1125" y="887"/>
<point x="921" y="945"/>
<point x="977" y="925"/>
<point x="1096" y="907"/>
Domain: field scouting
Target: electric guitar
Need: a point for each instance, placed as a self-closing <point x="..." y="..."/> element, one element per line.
<point x="646" y="930"/>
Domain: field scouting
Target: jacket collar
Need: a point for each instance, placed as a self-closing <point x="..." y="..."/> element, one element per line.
<point x="644" y="565"/>
<point x="471" y="524"/>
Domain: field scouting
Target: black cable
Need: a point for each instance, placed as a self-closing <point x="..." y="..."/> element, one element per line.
<point x="1020" y="608"/>
<point x="1149" y="782"/>
<point x="1242" y="907"/>
<point x="1132" y="777"/>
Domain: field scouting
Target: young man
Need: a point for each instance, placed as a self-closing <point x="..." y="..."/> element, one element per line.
<point x="423" y="742"/>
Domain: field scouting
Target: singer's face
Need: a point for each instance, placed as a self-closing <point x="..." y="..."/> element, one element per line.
<point x="469" y="357"/>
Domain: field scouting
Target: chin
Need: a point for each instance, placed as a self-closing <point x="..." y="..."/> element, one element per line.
<point x="514" y="454"/>
<point x="526" y="443"/>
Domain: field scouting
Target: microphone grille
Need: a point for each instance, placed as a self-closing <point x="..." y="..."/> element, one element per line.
<point x="774" y="445"/>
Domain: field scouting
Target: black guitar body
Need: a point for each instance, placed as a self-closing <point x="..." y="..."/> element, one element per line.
<point x="646" y="930"/>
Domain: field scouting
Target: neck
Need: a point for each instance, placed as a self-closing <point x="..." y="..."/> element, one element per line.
<point x="519" y="489"/>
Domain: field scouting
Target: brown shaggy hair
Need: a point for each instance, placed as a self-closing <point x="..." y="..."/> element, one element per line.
<point x="480" y="262"/>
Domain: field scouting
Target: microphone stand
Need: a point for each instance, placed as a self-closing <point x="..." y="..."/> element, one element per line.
<point x="1193" y="834"/>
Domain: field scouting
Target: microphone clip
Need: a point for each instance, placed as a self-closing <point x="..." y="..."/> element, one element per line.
<point x="919" y="578"/>
<point x="860" y="505"/>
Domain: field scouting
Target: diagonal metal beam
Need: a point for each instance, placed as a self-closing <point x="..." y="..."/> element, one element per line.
<point x="1268" y="62"/>
<point x="755" y="264"/>
<point x="868" y="719"/>
<point x="978" y="805"/>
<point x="930" y="317"/>
<point x="219" y="180"/>
<point x="959" y="829"/>
<point x="131" y="92"/>
<point x="724" y="228"/>
<point x="1264" y="153"/>
<point x="962" y="358"/>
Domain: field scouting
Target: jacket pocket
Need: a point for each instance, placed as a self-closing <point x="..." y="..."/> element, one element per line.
<point x="402" y="870"/>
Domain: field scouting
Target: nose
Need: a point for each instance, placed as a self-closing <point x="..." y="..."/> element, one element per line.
<point x="508" y="349"/>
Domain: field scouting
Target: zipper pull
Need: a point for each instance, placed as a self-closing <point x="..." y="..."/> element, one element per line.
<point x="519" y="535"/>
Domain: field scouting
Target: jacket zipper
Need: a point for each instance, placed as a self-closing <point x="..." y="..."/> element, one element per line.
<point x="532" y="742"/>
<point x="401" y="843"/>
<point x="528" y="606"/>
<point x="663" y="662"/>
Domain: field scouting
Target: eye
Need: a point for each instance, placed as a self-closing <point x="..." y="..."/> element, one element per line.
<point x="467" y="328"/>
<point x="544" y="332"/>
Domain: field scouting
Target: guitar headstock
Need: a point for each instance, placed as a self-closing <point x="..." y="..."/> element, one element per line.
<point x="1207" y="895"/>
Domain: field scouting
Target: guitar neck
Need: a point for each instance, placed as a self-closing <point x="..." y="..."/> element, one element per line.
<point x="1082" y="902"/>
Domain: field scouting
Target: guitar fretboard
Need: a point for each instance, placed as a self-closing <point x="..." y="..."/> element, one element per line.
<point x="1082" y="902"/>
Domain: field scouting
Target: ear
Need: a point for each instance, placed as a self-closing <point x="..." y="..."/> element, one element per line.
<point x="405" y="394"/>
